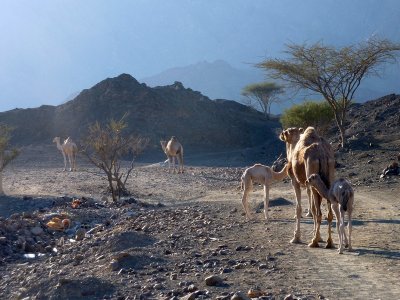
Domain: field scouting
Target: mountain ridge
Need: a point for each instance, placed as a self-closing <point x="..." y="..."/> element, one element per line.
<point x="200" y="123"/>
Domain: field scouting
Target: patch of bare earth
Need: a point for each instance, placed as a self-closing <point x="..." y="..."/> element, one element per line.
<point x="176" y="230"/>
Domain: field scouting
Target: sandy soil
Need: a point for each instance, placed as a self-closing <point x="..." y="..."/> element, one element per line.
<point x="199" y="230"/>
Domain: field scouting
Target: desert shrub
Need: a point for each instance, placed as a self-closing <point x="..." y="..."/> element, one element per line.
<point x="309" y="113"/>
<point x="7" y="154"/>
<point x="106" y="146"/>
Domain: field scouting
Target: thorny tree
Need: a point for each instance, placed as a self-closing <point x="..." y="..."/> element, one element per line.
<point x="106" y="146"/>
<point x="334" y="73"/>
<point x="264" y="94"/>
<point x="6" y="154"/>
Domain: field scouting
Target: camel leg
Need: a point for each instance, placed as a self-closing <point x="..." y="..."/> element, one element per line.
<point x="245" y="201"/>
<point x="317" y="219"/>
<point x="169" y="163"/>
<point x="74" y="162"/>
<point x="180" y="160"/>
<point x="329" y="242"/>
<point x="65" y="161"/>
<point x="266" y="201"/>
<point x="349" y="229"/>
<point x="297" y="191"/>
<point x="314" y="216"/>
<point x="173" y="164"/>
<point x="70" y="162"/>
<point x="335" y="208"/>
<point x="309" y="212"/>
<point x="342" y="233"/>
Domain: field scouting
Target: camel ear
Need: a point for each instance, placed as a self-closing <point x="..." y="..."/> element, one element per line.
<point x="301" y="130"/>
<point x="282" y="136"/>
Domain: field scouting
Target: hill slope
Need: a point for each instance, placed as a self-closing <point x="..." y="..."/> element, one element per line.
<point x="200" y="123"/>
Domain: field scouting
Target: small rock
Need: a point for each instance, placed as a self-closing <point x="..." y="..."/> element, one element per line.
<point x="114" y="265"/>
<point x="190" y="296"/>
<point x="80" y="234"/>
<point x="289" y="297"/>
<point x="262" y="267"/>
<point x="213" y="280"/>
<point x="37" y="230"/>
<point x="239" y="296"/>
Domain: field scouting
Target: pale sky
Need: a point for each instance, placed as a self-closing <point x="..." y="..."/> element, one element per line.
<point x="52" y="49"/>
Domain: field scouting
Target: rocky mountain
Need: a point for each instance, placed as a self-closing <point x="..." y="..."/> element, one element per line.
<point x="216" y="79"/>
<point x="200" y="123"/>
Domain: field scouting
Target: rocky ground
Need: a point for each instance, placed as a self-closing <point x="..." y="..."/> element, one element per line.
<point x="185" y="237"/>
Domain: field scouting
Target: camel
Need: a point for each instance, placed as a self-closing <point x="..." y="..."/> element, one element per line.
<point x="173" y="149"/>
<point x="308" y="153"/>
<point x="341" y="195"/>
<point x="68" y="149"/>
<point x="262" y="175"/>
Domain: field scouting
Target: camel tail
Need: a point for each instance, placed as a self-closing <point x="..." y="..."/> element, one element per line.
<point x="346" y="195"/>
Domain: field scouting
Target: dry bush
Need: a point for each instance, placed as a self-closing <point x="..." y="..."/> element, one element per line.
<point x="106" y="146"/>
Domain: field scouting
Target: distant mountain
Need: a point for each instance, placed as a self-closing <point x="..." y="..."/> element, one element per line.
<point x="158" y="113"/>
<point x="216" y="80"/>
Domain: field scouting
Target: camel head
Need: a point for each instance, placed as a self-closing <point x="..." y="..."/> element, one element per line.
<point x="163" y="144"/>
<point x="313" y="179"/>
<point x="291" y="135"/>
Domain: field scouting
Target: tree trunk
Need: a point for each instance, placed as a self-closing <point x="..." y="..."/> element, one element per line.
<point x="111" y="186"/>
<point x="343" y="141"/>
<point x="340" y="125"/>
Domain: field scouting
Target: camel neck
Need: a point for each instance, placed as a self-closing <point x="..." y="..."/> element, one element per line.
<point x="280" y="175"/>
<point x="322" y="189"/>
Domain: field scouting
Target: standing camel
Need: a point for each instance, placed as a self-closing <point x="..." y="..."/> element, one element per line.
<point x="308" y="153"/>
<point x="173" y="149"/>
<point x="68" y="149"/>
<point x="341" y="195"/>
<point x="262" y="175"/>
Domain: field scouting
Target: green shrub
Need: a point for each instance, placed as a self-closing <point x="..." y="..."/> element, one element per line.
<point x="309" y="113"/>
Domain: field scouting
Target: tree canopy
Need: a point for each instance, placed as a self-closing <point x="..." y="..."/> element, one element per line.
<point x="335" y="73"/>
<point x="263" y="94"/>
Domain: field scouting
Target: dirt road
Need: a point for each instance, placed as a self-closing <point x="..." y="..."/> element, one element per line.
<point x="269" y="262"/>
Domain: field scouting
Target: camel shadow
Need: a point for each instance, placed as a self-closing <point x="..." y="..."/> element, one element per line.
<point x="384" y="253"/>
<point x="382" y="221"/>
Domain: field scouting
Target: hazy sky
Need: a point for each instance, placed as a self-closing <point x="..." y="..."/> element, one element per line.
<point x="51" y="49"/>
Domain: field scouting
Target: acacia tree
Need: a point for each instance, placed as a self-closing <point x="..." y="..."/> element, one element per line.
<point x="6" y="154"/>
<point x="334" y="73"/>
<point x="263" y="94"/>
<point x="105" y="147"/>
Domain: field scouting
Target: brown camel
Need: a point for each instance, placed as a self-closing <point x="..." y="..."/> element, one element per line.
<point x="262" y="175"/>
<point x="341" y="195"/>
<point x="173" y="149"/>
<point x="68" y="149"/>
<point x="308" y="153"/>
